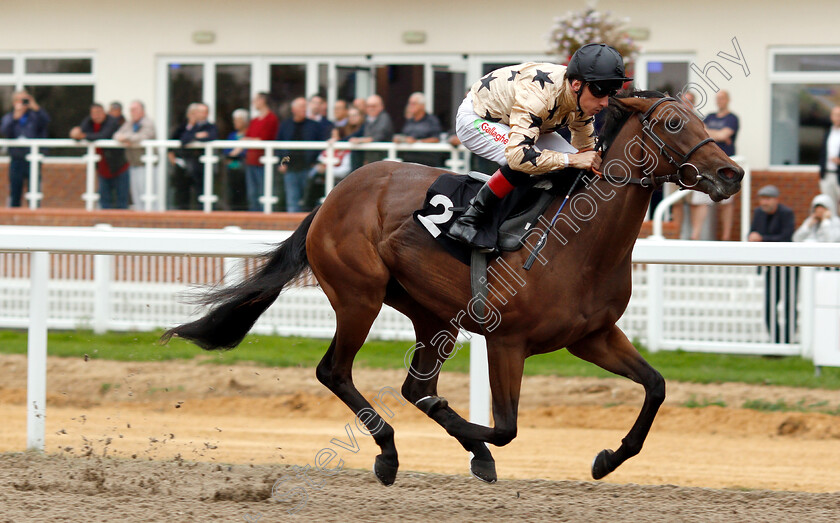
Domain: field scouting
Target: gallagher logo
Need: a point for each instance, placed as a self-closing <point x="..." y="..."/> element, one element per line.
<point x="487" y="129"/>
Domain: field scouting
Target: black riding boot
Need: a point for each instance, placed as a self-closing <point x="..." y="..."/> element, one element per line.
<point x="480" y="210"/>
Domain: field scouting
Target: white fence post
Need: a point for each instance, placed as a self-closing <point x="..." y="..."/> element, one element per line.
<point x="746" y="197"/>
<point x="807" y="276"/>
<point x="36" y="381"/>
<point x="90" y="196"/>
<point x="268" y="198"/>
<point x="149" y="197"/>
<point x="34" y="195"/>
<point x="209" y="160"/>
<point x="655" y="289"/>
<point x="329" y="175"/>
<point x="479" y="382"/>
<point x="103" y="274"/>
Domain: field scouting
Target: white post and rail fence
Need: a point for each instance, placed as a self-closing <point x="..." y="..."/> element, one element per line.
<point x="157" y="165"/>
<point x="668" y="276"/>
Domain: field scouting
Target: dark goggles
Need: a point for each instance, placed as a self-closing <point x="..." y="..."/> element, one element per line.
<point x="602" y="89"/>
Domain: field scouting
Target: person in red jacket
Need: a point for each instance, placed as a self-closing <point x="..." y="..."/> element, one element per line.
<point x="262" y="127"/>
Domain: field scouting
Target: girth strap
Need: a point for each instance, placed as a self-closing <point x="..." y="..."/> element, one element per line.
<point x="478" y="272"/>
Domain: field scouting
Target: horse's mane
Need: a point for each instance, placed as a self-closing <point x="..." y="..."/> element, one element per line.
<point x="617" y="113"/>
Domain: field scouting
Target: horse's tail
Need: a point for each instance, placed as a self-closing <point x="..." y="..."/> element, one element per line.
<point x="235" y="309"/>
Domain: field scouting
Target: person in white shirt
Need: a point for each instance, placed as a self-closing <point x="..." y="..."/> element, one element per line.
<point x="830" y="158"/>
<point x="822" y="225"/>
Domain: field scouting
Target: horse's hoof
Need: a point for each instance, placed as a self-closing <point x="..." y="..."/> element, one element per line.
<point x="601" y="464"/>
<point x="384" y="471"/>
<point x="483" y="470"/>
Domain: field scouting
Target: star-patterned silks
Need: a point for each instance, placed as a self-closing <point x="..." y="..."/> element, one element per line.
<point x="531" y="100"/>
<point x="542" y="78"/>
<point x="527" y="140"/>
<point x="485" y="82"/>
<point x="530" y="155"/>
<point x="490" y="118"/>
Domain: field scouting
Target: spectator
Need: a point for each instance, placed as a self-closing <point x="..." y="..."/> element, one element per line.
<point x="116" y="110"/>
<point x="830" y="158"/>
<point x="112" y="167"/>
<point x="189" y="173"/>
<point x="262" y="127"/>
<point x="774" y="222"/>
<point x="235" y="196"/>
<point x="354" y="127"/>
<point x="378" y="128"/>
<point x="360" y="104"/>
<point x="296" y="171"/>
<point x="340" y="113"/>
<point x="344" y="165"/>
<point x="26" y="120"/>
<point x="420" y="126"/>
<point x="723" y="129"/>
<point x="318" y="112"/>
<point x="130" y="134"/>
<point x="822" y="225"/>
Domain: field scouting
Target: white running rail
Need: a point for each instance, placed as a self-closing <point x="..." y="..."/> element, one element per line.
<point x="653" y="261"/>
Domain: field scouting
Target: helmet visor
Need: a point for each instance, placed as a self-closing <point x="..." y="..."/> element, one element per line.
<point x="604" y="88"/>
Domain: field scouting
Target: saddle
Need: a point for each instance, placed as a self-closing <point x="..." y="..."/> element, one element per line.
<point x="516" y="214"/>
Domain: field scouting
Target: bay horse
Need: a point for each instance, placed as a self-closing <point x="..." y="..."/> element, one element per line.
<point x="364" y="249"/>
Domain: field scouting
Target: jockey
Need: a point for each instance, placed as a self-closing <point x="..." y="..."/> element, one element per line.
<point x="510" y="117"/>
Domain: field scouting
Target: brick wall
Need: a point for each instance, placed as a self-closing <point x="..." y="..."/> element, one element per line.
<point x="63" y="186"/>
<point x="797" y="190"/>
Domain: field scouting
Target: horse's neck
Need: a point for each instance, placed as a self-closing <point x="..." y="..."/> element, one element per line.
<point x="625" y="212"/>
<point x="621" y="209"/>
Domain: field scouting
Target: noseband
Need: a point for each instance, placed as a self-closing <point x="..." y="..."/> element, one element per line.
<point x="666" y="150"/>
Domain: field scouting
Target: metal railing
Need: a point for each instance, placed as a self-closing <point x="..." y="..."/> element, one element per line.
<point x="157" y="170"/>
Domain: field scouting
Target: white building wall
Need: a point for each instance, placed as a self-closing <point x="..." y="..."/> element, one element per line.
<point x="129" y="38"/>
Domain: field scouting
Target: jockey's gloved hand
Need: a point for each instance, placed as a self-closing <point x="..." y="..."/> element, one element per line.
<point x="588" y="160"/>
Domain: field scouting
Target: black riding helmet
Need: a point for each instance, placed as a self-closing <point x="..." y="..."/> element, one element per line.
<point x="600" y="66"/>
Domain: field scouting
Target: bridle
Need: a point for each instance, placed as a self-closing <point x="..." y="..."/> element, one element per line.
<point x="666" y="150"/>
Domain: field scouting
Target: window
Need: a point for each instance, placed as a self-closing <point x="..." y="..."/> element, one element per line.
<point x="664" y="72"/>
<point x="185" y="87"/>
<point x="288" y="81"/>
<point x="63" y="85"/>
<point x="667" y="77"/>
<point x="58" y="65"/>
<point x="805" y="85"/>
<point x="233" y="89"/>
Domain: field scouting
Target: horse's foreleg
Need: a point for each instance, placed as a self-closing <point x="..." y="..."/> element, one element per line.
<point x="611" y="350"/>
<point x="420" y="387"/>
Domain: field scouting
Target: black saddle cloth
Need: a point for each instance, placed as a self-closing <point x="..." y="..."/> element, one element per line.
<point x="450" y="194"/>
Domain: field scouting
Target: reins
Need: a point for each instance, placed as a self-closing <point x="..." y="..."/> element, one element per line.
<point x="647" y="181"/>
<point x="651" y="181"/>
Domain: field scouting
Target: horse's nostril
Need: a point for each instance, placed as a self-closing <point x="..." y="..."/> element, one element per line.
<point x="730" y="174"/>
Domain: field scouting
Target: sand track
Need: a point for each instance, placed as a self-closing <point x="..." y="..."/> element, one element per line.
<point x="122" y="439"/>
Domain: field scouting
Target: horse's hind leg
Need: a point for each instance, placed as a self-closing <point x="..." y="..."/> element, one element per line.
<point x="335" y="372"/>
<point x="354" y="279"/>
<point x="435" y="342"/>
<point x="611" y="350"/>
